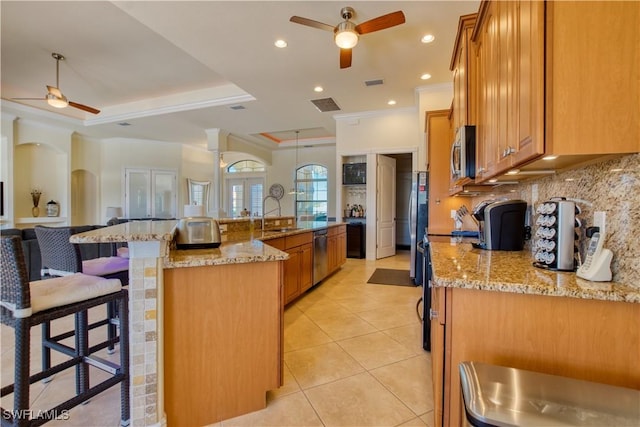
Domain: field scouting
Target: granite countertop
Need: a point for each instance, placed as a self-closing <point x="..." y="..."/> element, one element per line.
<point x="134" y="231"/>
<point x="459" y="265"/>
<point x="236" y="248"/>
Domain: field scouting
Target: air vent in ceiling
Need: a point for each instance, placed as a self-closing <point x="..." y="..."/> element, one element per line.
<point x="237" y="107"/>
<point x="374" y="82"/>
<point x="325" y="104"/>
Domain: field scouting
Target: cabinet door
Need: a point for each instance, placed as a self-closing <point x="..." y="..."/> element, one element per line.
<point x="529" y="102"/>
<point x="342" y="246"/>
<point x="487" y="148"/>
<point x="437" y="352"/>
<point x="332" y="252"/>
<point x="292" y="275"/>
<point x="306" y="267"/>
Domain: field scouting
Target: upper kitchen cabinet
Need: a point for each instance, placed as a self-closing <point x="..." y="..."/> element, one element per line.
<point x="555" y="79"/>
<point x="509" y="41"/>
<point x="464" y="102"/>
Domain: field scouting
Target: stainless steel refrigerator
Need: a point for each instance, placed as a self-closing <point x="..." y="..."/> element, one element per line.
<point x="418" y="221"/>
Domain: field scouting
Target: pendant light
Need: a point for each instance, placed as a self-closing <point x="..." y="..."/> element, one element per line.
<point x="295" y="169"/>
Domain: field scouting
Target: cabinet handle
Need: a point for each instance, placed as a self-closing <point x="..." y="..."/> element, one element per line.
<point x="508" y="150"/>
<point x="433" y="314"/>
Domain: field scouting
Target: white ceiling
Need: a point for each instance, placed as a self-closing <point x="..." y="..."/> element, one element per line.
<point x="172" y="69"/>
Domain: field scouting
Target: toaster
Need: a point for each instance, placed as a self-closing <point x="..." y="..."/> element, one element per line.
<point x="198" y="233"/>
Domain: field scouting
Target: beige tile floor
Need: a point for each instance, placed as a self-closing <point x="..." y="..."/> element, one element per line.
<point x="353" y="357"/>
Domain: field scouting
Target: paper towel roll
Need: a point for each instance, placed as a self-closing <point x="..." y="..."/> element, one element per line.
<point x="193" y="210"/>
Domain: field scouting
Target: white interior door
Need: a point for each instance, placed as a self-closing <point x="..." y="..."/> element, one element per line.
<point x="386" y="207"/>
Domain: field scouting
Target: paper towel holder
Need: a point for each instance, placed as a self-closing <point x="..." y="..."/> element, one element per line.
<point x="198" y="192"/>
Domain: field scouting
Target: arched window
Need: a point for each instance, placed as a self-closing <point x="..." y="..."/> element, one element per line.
<point x="312" y="193"/>
<point x="245" y="166"/>
<point x="245" y="187"/>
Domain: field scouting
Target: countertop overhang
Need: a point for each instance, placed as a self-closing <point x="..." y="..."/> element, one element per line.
<point x="459" y="265"/>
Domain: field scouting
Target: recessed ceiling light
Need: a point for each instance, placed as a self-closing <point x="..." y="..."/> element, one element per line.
<point x="318" y="89"/>
<point x="391" y="102"/>
<point x="280" y="43"/>
<point x="427" y="38"/>
<point x="549" y="157"/>
<point x="425" y="76"/>
<point x="513" y="172"/>
<point x="124" y="124"/>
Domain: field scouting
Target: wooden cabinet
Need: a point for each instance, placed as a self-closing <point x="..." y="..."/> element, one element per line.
<point x="437" y="314"/>
<point x="510" y="60"/>
<point x="223" y="340"/>
<point x="464" y="74"/>
<point x="464" y="88"/>
<point x="439" y="137"/>
<point x="298" y="269"/>
<point x="564" y="336"/>
<point x="546" y="88"/>
<point x="336" y="246"/>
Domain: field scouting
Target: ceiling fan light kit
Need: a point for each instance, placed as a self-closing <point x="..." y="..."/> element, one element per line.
<point x="345" y="35"/>
<point x="58" y="102"/>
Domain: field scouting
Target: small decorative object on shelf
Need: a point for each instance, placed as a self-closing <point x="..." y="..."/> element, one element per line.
<point x="53" y="208"/>
<point x="35" y="197"/>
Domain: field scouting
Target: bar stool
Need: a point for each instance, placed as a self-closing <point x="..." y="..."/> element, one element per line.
<point x="61" y="258"/>
<point x="25" y="304"/>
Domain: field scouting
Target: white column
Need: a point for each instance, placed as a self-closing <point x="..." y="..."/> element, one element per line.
<point x="217" y="142"/>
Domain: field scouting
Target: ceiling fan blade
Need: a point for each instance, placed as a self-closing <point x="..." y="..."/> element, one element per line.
<point x="345" y="58"/>
<point x="54" y="91"/>
<point x="83" y="107"/>
<point x="29" y="99"/>
<point x="311" y="23"/>
<point x="381" y="22"/>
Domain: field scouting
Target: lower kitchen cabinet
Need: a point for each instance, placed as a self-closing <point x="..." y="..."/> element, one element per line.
<point x="337" y="247"/>
<point x="578" y="338"/>
<point x="298" y="269"/>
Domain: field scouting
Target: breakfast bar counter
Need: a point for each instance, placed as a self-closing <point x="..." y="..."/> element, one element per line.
<point x="205" y="324"/>
<point x="495" y="307"/>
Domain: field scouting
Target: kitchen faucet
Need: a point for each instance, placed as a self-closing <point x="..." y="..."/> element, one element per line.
<point x="264" y="204"/>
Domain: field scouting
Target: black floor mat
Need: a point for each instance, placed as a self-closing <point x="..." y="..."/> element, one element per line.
<point x="387" y="276"/>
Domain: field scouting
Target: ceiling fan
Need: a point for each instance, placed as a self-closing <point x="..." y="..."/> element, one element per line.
<point x="54" y="96"/>
<point x="346" y="33"/>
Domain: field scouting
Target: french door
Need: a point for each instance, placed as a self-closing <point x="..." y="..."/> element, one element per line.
<point x="150" y="193"/>
<point x="244" y="193"/>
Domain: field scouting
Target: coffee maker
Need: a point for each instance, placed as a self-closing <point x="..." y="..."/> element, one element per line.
<point x="501" y="224"/>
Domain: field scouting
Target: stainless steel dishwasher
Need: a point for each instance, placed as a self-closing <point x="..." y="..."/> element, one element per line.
<point x="320" y="256"/>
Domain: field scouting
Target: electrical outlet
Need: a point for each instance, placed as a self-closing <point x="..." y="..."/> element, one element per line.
<point x="453" y="213"/>
<point x="534" y="193"/>
<point x="277" y="222"/>
<point x="289" y="222"/>
<point x="223" y="228"/>
<point x="599" y="220"/>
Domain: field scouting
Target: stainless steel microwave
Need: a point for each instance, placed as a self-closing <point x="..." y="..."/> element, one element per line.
<point x="463" y="153"/>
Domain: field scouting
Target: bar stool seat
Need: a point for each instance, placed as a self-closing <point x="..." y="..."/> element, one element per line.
<point x="25" y="304"/>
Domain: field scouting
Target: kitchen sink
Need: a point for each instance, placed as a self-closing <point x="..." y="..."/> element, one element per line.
<point x="283" y="230"/>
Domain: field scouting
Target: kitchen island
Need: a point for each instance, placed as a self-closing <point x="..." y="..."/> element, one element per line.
<point x="206" y="324"/>
<point x="495" y="307"/>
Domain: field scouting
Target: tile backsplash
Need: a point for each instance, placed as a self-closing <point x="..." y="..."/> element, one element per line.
<point x="612" y="186"/>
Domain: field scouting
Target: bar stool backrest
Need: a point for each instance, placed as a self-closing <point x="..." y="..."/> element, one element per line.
<point x="13" y="277"/>
<point x="58" y="253"/>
